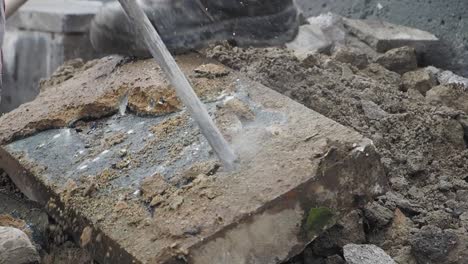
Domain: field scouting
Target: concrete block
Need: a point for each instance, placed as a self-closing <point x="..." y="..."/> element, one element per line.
<point x="22" y="74"/>
<point x="56" y="16"/>
<point x="144" y="186"/>
<point x="384" y="36"/>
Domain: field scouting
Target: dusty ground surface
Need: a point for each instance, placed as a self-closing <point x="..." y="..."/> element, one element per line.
<point x="423" y="218"/>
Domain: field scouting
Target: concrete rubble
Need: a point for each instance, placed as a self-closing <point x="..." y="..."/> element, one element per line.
<point x="447" y="77"/>
<point x="384" y="36"/>
<point x="447" y="21"/>
<point x="366" y="254"/>
<point x="15" y="247"/>
<point x="141" y="184"/>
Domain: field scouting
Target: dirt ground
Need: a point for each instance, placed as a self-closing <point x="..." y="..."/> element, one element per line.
<point x="422" y="219"/>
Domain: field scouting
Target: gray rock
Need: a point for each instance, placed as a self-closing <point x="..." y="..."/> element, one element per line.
<point x="377" y="214"/>
<point x="384" y="36"/>
<point x="447" y="77"/>
<point x="419" y="80"/>
<point x="366" y="254"/>
<point x="15" y="247"/>
<point x="451" y="95"/>
<point x="372" y="110"/>
<point x="462" y="196"/>
<point x="432" y="245"/>
<point x="395" y="200"/>
<point x="351" y="56"/>
<point x="399" y="60"/>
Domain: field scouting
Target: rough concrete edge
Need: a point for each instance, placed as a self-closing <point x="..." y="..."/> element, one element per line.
<point x="384" y="45"/>
<point x="101" y="247"/>
<point x="302" y="195"/>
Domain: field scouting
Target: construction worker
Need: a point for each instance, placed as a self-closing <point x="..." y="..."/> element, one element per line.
<point x="190" y="24"/>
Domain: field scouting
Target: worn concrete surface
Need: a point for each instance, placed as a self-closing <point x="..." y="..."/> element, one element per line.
<point x="145" y="187"/>
<point x="448" y="20"/>
<point x="384" y="36"/>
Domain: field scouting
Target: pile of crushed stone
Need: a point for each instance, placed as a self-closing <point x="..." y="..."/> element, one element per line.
<point x="419" y="128"/>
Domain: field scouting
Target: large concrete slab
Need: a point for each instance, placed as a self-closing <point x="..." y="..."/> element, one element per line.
<point x="384" y="36"/>
<point x="145" y="187"/>
<point x="56" y="16"/>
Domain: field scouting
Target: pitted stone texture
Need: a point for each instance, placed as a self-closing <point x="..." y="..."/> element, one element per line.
<point x="419" y="80"/>
<point x="15" y="247"/>
<point x="384" y="36"/>
<point x="298" y="171"/>
<point x="400" y="60"/>
<point x="451" y="95"/>
<point x="447" y="77"/>
<point x="366" y="254"/>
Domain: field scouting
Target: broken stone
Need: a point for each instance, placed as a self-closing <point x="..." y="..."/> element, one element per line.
<point x="419" y="80"/>
<point x="372" y="110"/>
<point x="120" y="206"/>
<point x="366" y="254"/>
<point x="447" y="77"/>
<point x="452" y="96"/>
<point x="241" y="109"/>
<point x="432" y="245"/>
<point x="154" y="186"/>
<point x="351" y="56"/>
<point x="400" y="60"/>
<point x="464" y="220"/>
<point x="176" y="202"/>
<point x="384" y="36"/>
<point x="399" y="230"/>
<point x="15" y="247"/>
<point x="211" y="71"/>
<point x="378" y="215"/>
<point x="86" y="236"/>
<point x="309" y="40"/>
<point x="459" y="253"/>
<point x="381" y="74"/>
